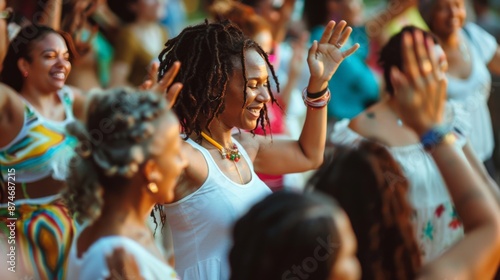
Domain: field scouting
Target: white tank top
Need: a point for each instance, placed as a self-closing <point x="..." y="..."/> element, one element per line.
<point x="202" y="222"/>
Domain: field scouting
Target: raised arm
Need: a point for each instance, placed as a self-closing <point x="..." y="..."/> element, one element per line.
<point x="481" y="171"/>
<point x="286" y="156"/>
<point x="51" y="15"/>
<point x="421" y="94"/>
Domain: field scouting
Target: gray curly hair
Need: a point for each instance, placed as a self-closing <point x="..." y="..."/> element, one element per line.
<point x="113" y="145"/>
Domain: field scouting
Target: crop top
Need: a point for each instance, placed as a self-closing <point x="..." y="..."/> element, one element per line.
<point x="43" y="147"/>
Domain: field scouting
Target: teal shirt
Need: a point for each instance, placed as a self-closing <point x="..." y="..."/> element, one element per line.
<point x="354" y="85"/>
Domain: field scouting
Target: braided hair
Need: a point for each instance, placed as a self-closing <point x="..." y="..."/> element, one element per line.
<point x="370" y="186"/>
<point x="285" y="230"/>
<point x="113" y="145"/>
<point x="208" y="53"/>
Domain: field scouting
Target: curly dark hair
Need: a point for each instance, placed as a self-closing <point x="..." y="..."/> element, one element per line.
<point x="113" y="146"/>
<point x="282" y="231"/>
<point x="208" y="53"/>
<point x="370" y="186"/>
<point x="22" y="46"/>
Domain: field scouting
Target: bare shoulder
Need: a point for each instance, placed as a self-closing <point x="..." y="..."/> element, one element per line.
<point x="78" y="103"/>
<point x="365" y="124"/>
<point x="195" y="173"/>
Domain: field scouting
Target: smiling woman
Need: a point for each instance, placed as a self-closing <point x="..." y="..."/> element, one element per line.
<point x="36" y="144"/>
<point x="226" y="86"/>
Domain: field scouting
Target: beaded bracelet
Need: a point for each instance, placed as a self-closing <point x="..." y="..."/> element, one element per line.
<point x="318" y="102"/>
<point x="435" y="136"/>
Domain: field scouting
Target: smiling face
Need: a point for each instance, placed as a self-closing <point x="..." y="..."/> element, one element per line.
<point x="49" y="66"/>
<point x="237" y="113"/>
<point x="448" y="17"/>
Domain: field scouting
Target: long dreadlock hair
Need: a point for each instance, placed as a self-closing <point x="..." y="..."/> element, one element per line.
<point x="208" y="53"/>
<point x="370" y="186"/>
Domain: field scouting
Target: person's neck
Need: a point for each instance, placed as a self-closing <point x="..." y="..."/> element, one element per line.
<point x="42" y="100"/>
<point x="121" y="211"/>
<point x="220" y="133"/>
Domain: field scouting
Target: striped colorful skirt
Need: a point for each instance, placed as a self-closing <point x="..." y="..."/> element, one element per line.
<point x="43" y="234"/>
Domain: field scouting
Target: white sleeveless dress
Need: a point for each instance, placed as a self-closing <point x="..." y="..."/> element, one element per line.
<point x="202" y="222"/>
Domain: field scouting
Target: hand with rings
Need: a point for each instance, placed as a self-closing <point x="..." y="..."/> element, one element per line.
<point x="326" y="55"/>
<point x="426" y="66"/>
<point x="420" y="89"/>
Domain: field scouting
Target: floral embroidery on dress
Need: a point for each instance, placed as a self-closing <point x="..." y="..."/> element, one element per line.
<point x="439" y="211"/>
<point x="429" y="231"/>
<point x="455" y="222"/>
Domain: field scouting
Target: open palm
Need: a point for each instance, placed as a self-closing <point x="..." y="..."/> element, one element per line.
<point x="326" y="55"/>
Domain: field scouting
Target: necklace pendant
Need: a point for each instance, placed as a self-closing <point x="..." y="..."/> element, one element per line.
<point x="400" y="122"/>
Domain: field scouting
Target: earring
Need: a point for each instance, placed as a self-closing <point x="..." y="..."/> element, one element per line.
<point x="152" y="187"/>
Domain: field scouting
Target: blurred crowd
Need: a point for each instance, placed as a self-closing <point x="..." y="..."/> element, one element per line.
<point x="249" y="139"/>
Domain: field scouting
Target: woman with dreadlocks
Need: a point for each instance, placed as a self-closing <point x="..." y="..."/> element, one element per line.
<point x="286" y="236"/>
<point x="226" y="86"/>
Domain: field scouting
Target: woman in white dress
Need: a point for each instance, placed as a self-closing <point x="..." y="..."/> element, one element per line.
<point x="437" y="224"/>
<point x="473" y="55"/>
<point x="225" y="79"/>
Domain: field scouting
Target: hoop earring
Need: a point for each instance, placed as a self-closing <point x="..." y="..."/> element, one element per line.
<point x="153" y="187"/>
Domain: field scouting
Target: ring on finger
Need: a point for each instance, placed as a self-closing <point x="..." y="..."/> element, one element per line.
<point x="426" y="66"/>
<point x="338" y="45"/>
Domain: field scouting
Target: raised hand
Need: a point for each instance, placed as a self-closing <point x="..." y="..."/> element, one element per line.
<point x="326" y="55"/>
<point x="420" y="90"/>
<point x="165" y="83"/>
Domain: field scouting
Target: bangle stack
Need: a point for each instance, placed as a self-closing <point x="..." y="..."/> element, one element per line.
<point x="316" y="100"/>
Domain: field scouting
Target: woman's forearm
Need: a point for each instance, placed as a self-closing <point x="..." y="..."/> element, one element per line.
<point x="52" y="14"/>
<point x="467" y="189"/>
